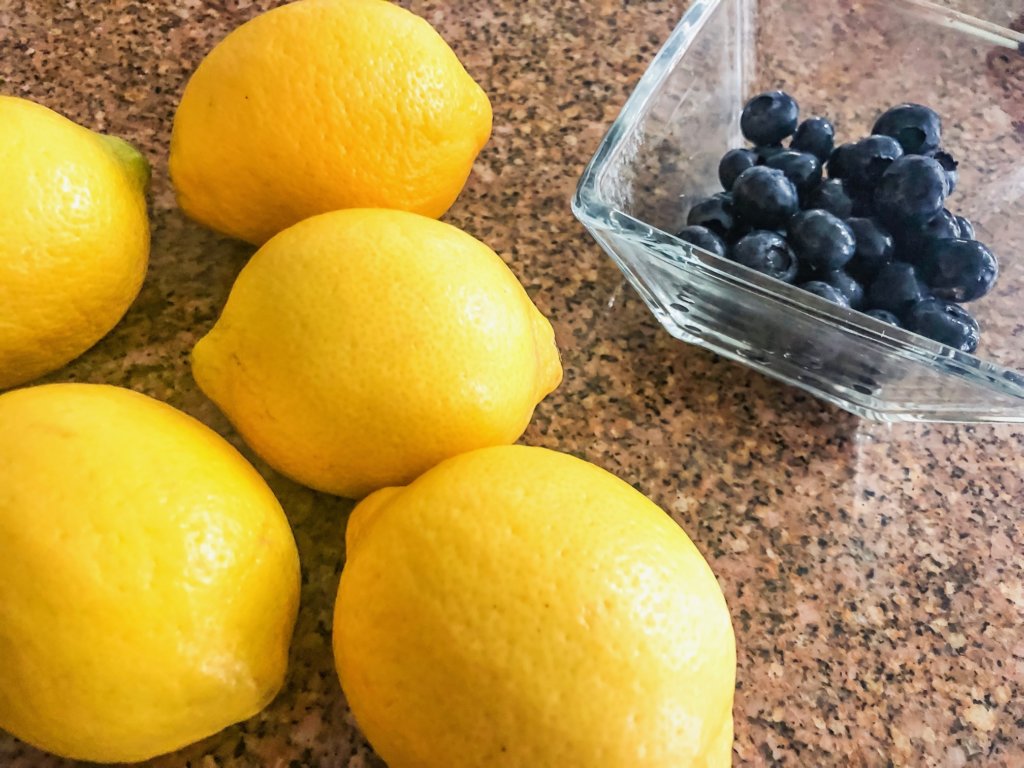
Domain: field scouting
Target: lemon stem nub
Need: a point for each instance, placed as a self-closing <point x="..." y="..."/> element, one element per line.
<point x="133" y="160"/>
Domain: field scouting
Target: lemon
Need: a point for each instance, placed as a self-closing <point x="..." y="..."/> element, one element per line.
<point x="148" y="577"/>
<point x="516" y="606"/>
<point x="359" y="348"/>
<point x="320" y="105"/>
<point x="74" y="238"/>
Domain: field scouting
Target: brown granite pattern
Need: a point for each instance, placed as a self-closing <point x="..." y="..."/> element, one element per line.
<point x="873" y="573"/>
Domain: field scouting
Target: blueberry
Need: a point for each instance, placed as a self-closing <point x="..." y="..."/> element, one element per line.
<point x="949" y="165"/>
<point x="733" y="163"/>
<point x="831" y="196"/>
<point x="913" y="243"/>
<point x="839" y="161"/>
<point x="714" y="213"/>
<point x="767" y="151"/>
<point x="869" y="158"/>
<point x="966" y="228"/>
<point x="822" y="241"/>
<point x="885" y="317"/>
<point x="769" y="117"/>
<point x="863" y="201"/>
<point x="802" y="168"/>
<point x="825" y="291"/>
<point x="946" y="323"/>
<point x="918" y="129"/>
<point x="815" y="135"/>
<point x="896" y="288"/>
<point x="958" y="270"/>
<point x="911" y="192"/>
<point x="767" y="252"/>
<point x="764" y="197"/>
<point x="703" y="238"/>
<point x="739" y="230"/>
<point x="942" y="227"/>
<point x="846" y="285"/>
<point x="874" y="247"/>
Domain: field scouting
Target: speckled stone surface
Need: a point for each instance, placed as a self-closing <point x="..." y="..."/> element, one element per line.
<point x="874" y="574"/>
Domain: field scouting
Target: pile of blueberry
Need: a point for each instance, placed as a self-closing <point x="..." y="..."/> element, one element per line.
<point x="874" y="235"/>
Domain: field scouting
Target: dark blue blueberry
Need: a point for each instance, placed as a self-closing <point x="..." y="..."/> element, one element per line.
<point x="767" y="252"/>
<point x="739" y="230"/>
<point x="912" y="243"/>
<point x="911" y="192"/>
<point x="1012" y="376"/>
<point x="942" y="227"/>
<point x="703" y="238"/>
<point x="802" y="168"/>
<point x="863" y="201"/>
<point x="715" y="213"/>
<point x="764" y="197"/>
<point x="825" y="291"/>
<point x="831" y="196"/>
<point x="958" y="270"/>
<point x="870" y="158"/>
<point x="896" y="288"/>
<point x="966" y="228"/>
<point x="947" y="323"/>
<point x="949" y="165"/>
<point x="769" y="118"/>
<point x="874" y="249"/>
<point x="767" y="152"/>
<point x="839" y="161"/>
<point x="918" y="129"/>
<point x="733" y="163"/>
<point x="885" y="317"/>
<point x="822" y="241"/>
<point x="815" y="135"/>
<point x="846" y="285"/>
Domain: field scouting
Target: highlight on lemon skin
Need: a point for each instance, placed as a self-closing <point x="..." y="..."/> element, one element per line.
<point x="319" y="105"/>
<point x="74" y="238"/>
<point x="359" y="348"/>
<point x="515" y="606"/>
<point x="149" y="580"/>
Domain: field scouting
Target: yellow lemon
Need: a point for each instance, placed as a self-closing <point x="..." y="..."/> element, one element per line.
<point x="148" y="577"/>
<point x="74" y="238"/>
<point x="519" y="607"/>
<point x="320" y="105"/>
<point x="359" y="348"/>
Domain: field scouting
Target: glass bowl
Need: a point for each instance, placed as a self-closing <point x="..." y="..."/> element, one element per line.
<point x="848" y="60"/>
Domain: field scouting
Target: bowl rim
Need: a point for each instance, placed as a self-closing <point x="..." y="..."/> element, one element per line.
<point x="596" y="213"/>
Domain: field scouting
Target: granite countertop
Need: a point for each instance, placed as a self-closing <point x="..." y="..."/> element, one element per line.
<point x="873" y="573"/>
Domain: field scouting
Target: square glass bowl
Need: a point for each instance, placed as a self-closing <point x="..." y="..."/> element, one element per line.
<point x="848" y="60"/>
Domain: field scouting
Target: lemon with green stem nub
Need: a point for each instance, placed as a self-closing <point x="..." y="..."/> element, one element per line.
<point x="74" y="238"/>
